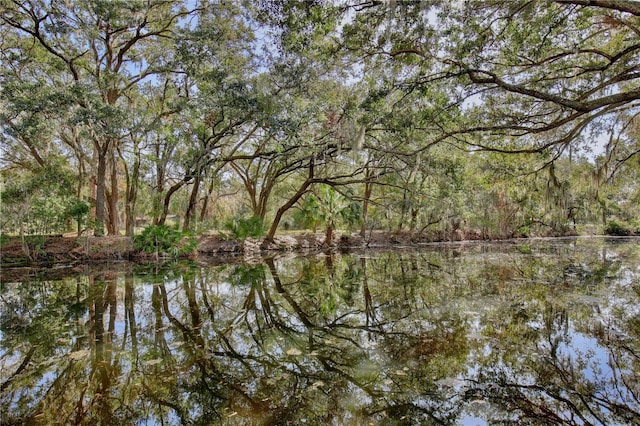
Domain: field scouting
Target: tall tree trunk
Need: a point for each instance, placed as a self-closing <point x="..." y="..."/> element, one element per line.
<point x="131" y="193"/>
<point x="403" y="210"/>
<point x="81" y="176"/>
<point x="205" y="203"/>
<point x="263" y="199"/>
<point x="160" y="181"/>
<point x="365" y="204"/>
<point x="167" y="200"/>
<point x="93" y="196"/>
<point x="292" y="201"/>
<point x="193" y="200"/>
<point x="101" y="176"/>
<point x="130" y="211"/>
<point x="113" y="224"/>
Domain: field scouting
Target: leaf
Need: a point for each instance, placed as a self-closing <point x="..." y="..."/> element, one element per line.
<point x="154" y="361"/>
<point x="294" y="352"/>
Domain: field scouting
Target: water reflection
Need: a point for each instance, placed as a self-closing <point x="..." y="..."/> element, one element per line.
<point x="544" y="333"/>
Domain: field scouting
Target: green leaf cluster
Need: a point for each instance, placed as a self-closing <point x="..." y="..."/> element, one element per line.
<point x="241" y="227"/>
<point x="165" y="241"/>
<point x="39" y="202"/>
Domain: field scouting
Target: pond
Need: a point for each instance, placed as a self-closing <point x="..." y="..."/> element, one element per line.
<point x="535" y="332"/>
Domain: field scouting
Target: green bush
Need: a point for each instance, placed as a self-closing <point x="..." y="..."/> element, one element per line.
<point x="524" y="231"/>
<point x="79" y="211"/>
<point x="617" y="228"/>
<point x="165" y="241"/>
<point x="242" y="228"/>
<point x="35" y="203"/>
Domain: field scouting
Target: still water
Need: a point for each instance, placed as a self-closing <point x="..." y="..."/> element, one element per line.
<point x="533" y="332"/>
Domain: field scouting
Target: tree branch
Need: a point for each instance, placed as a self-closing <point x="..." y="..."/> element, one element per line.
<point x="632" y="7"/>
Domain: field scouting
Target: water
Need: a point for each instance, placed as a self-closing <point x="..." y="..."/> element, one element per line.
<point x="533" y="332"/>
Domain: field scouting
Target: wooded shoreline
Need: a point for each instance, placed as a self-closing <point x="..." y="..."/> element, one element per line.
<point x="166" y="118"/>
<point x="63" y="249"/>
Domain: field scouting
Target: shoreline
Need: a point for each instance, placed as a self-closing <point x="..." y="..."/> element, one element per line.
<point x="42" y="250"/>
<point x="60" y="249"/>
<point x="103" y="261"/>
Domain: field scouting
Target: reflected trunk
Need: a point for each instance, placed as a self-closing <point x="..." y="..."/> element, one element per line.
<point x="540" y="335"/>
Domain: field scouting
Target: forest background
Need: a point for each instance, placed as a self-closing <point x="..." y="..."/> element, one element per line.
<point x="486" y="119"/>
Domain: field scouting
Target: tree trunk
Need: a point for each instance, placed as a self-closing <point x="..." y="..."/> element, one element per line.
<point x="603" y="207"/>
<point x="193" y="200"/>
<point x="160" y="181"/>
<point x="131" y="195"/>
<point x="414" y="219"/>
<point x="403" y="210"/>
<point x="365" y="205"/>
<point x="282" y="210"/>
<point x="81" y="176"/>
<point x="328" y="235"/>
<point x="205" y="203"/>
<point x="167" y="199"/>
<point x="292" y="201"/>
<point x="263" y="199"/>
<point x="101" y="176"/>
<point x="113" y="222"/>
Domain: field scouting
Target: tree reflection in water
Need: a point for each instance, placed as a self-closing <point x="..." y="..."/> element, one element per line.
<point x="542" y="334"/>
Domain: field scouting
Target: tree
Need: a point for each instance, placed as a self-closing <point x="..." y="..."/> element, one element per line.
<point x="529" y="76"/>
<point x="101" y="50"/>
<point x="218" y="99"/>
<point x="39" y="202"/>
<point x="397" y="106"/>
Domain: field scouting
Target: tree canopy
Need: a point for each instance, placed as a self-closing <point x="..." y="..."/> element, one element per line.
<point x="496" y="118"/>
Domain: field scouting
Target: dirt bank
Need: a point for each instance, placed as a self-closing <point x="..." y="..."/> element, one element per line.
<point x="59" y="249"/>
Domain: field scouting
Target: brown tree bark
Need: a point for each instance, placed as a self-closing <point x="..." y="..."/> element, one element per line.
<point x="193" y="201"/>
<point x="113" y="224"/>
<point x="292" y="201"/>
<point x="101" y="174"/>
<point x="365" y="202"/>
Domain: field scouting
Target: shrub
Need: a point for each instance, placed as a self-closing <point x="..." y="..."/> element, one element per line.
<point x="78" y="210"/>
<point x="617" y="228"/>
<point x="242" y="228"/>
<point x="165" y="241"/>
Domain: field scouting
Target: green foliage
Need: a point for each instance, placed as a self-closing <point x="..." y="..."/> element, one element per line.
<point x="616" y="228"/>
<point x="335" y="207"/>
<point x="242" y="228"/>
<point x="242" y="275"/>
<point x="78" y="210"/>
<point x="35" y="243"/>
<point x="308" y="216"/>
<point x="351" y="90"/>
<point x="524" y="249"/>
<point x="37" y="203"/>
<point x="420" y="343"/>
<point x="165" y="241"/>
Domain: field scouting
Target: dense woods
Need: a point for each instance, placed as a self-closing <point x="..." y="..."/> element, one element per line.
<point x="490" y="118"/>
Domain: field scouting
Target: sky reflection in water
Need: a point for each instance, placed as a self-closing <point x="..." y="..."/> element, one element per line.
<point x="543" y="332"/>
